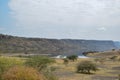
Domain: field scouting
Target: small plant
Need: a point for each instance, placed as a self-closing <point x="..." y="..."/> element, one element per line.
<point x="86" y="67"/>
<point x="22" y="73"/>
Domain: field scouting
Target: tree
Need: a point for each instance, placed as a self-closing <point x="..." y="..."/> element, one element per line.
<point x="72" y="57"/>
<point x="86" y="67"/>
<point x="39" y="62"/>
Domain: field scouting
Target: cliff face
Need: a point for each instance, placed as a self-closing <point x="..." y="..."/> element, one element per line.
<point x="11" y="44"/>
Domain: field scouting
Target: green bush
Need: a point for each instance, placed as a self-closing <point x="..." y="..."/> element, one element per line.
<point x="39" y="62"/>
<point x="86" y="67"/>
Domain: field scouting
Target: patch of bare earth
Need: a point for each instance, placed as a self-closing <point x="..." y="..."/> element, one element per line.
<point x="104" y="78"/>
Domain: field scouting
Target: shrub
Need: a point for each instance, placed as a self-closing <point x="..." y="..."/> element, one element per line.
<point x="86" y="67"/>
<point x="22" y="73"/>
<point x="72" y="57"/>
<point x="39" y="62"/>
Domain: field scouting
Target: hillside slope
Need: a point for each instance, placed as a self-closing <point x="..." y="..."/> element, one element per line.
<point x="12" y="44"/>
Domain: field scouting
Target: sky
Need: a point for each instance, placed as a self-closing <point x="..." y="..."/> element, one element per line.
<point x="61" y="19"/>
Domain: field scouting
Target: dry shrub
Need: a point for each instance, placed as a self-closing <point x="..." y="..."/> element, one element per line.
<point x="22" y="73"/>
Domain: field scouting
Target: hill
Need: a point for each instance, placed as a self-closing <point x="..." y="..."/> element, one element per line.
<point x="13" y="44"/>
<point x="105" y="54"/>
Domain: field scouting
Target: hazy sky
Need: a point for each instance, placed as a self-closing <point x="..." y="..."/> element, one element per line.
<point x="74" y="19"/>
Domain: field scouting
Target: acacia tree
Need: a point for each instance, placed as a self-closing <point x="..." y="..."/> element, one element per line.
<point x="86" y="67"/>
<point x="72" y="57"/>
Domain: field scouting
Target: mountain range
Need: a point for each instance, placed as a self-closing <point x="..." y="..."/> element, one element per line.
<point x="14" y="44"/>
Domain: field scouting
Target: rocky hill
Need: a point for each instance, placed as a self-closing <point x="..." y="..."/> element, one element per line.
<point x="12" y="44"/>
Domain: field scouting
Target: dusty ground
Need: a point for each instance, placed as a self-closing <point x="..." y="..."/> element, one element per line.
<point x="108" y="70"/>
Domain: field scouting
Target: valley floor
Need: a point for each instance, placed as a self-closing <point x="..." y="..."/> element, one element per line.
<point x="109" y="70"/>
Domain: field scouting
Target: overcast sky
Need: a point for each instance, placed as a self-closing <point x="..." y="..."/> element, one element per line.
<point x="74" y="19"/>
